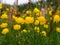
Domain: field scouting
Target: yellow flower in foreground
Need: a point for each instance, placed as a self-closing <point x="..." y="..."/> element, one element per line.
<point x="4" y="16"/>
<point x="36" y="22"/>
<point x="0" y="6"/>
<point x="16" y="27"/>
<point x="20" y="20"/>
<point x="3" y="25"/>
<point x="58" y="29"/>
<point x="56" y="18"/>
<point x="29" y="20"/>
<point x="43" y="33"/>
<point x="5" y="31"/>
<point x="42" y="20"/>
<point x="45" y="26"/>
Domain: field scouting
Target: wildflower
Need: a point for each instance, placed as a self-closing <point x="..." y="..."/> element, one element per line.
<point x="50" y="12"/>
<point x="36" y="22"/>
<point x="14" y="17"/>
<point x="3" y="25"/>
<point x="45" y="26"/>
<point x="20" y="20"/>
<point x="42" y="20"/>
<point x="4" y="16"/>
<point x="16" y="27"/>
<point x="43" y="33"/>
<point x="56" y="18"/>
<point x="58" y="29"/>
<point x="29" y="20"/>
<point x="36" y="10"/>
<point x="24" y="30"/>
<point x="37" y="29"/>
<point x="5" y="31"/>
<point x="28" y="12"/>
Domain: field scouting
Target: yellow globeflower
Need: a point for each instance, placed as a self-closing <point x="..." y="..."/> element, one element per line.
<point x="0" y="6"/>
<point x="5" y="31"/>
<point x="42" y="20"/>
<point x="56" y="18"/>
<point x="37" y="14"/>
<point x="24" y="30"/>
<point x="36" y="22"/>
<point x="43" y="33"/>
<point x="45" y="26"/>
<point x="14" y="17"/>
<point x="36" y="10"/>
<point x="58" y="29"/>
<point x="4" y="16"/>
<point x="3" y="25"/>
<point x="28" y="12"/>
<point x="50" y="12"/>
<point x="16" y="27"/>
<point x="29" y="20"/>
<point x="20" y="20"/>
<point x="38" y="29"/>
<point x="7" y="9"/>
<point x="35" y="28"/>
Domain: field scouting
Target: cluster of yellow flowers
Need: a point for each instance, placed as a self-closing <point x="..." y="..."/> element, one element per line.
<point x="4" y="27"/>
<point x="29" y="19"/>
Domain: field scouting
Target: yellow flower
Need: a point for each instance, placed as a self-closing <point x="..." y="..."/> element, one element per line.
<point x="4" y="16"/>
<point x="0" y="6"/>
<point x="16" y="27"/>
<point x="37" y="29"/>
<point x="29" y="20"/>
<point x="58" y="29"/>
<point x="36" y="22"/>
<point x="43" y="33"/>
<point x="42" y="20"/>
<point x="36" y="10"/>
<point x="45" y="26"/>
<point x="28" y="12"/>
<point x="7" y="9"/>
<point x="14" y="17"/>
<point x="37" y="14"/>
<point x="56" y="18"/>
<point x="5" y="31"/>
<point x="20" y="20"/>
<point x="50" y="12"/>
<point x="24" y="30"/>
<point x="3" y="25"/>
